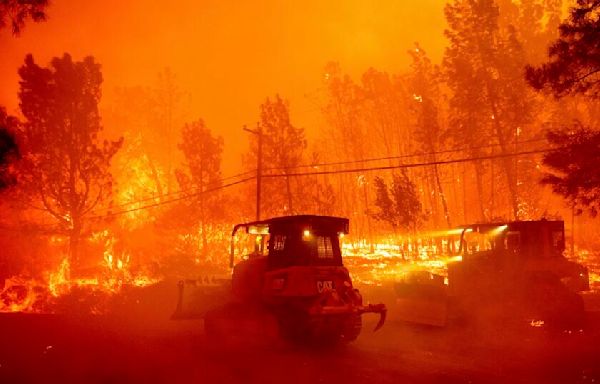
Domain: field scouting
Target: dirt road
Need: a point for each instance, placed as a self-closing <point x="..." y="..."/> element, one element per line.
<point x="42" y="349"/>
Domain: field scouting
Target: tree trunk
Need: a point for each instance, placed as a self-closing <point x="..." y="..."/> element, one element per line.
<point x="288" y="188"/>
<point x="506" y="161"/>
<point x="442" y="196"/>
<point x="155" y="177"/>
<point x="479" y="180"/>
<point x="202" y="218"/>
<point x="74" y="237"/>
<point x="368" y="217"/>
<point x="430" y="191"/>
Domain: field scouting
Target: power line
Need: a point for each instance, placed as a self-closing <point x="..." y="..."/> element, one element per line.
<point x="164" y="202"/>
<point x="401" y="156"/>
<point x="194" y="189"/>
<point x="352" y="170"/>
<point x="412" y="165"/>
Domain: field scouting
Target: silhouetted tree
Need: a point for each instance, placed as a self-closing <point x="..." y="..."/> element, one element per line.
<point x="283" y="148"/>
<point x="202" y="153"/>
<point x="574" y="59"/>
<point x="384" y="111"/>
<point x="65" y="166"/>
<point x="573" y="69"/>
<point x="15" y="12"/>
<point x="535" y="22"/>
<point x="317" y="194"/>
<point x="425" y="85"/>
<point x="8" y="146"/>
<point x="169" y="113"/>
<point x="344" y="111"/>
<point x="489" y="104"/>
<point x="401" y="210"/>
<point x="574" y="167"/>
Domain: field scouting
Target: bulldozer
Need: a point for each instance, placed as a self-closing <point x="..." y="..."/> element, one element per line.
<point x="295" y="288"/>
<point x="510" y="271"/>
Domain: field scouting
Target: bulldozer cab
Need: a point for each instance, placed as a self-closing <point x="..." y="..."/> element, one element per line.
<point x="540" y="239"/>
<point x="303" y="240"/>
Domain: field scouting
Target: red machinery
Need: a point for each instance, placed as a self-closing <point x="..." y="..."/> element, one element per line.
<point x="510" y="271"/>
<point x="297" y="287"/>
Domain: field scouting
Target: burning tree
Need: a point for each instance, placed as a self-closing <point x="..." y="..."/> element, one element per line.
<point x="403" y="209"/>
<point x="202" y="153"/>
<point x="344" y="111"/>
<point x="282" y="150"/>
<point x="64" y="165"/>
<point x="490" y="104"/>
<point x="425" y="86"/>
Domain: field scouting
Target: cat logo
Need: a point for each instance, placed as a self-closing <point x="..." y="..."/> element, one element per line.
<point x="324" y="285"/>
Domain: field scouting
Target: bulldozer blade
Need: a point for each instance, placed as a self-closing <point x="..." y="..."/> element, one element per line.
<point x="197" y="296"/>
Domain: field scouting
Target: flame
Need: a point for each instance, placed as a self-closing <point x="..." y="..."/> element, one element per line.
<point x="378" y="263"/>
<point x="22" y="294"/>
<point x="58" y="281"/>
<point x="19" y="295"/>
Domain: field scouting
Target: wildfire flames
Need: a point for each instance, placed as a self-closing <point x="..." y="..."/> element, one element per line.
<point x="45" y="295"/>
<point x="372" y="264"/>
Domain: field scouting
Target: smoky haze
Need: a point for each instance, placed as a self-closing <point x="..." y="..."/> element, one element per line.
<point x="228" y="56"/>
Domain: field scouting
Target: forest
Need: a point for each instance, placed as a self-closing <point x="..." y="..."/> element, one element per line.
<point x="504" y="127"/>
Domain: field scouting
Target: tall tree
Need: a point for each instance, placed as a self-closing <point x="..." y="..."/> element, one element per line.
<point x="425" y="87"/>
<point x="574" y="69"/>
<point x="384" y="111"/>
<point x="344" y="111"/>
<point x="65" y="165"/>
<point x="150" y="118"/>
<point x="202" y="153"/>
<point x="401" y="210"/>
<point x="16" y="12"/>
<point x="574" y="59"/>
<point x="490" y="104"/>
<point x="282" y="150"/>
<point x="574" y="168"/>
<point x="535" y="23"/>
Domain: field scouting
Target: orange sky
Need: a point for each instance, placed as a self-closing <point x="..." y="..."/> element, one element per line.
<point x="229" y="55"/>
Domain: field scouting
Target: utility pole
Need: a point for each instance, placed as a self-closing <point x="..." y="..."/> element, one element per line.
<point x="257" y="132"/>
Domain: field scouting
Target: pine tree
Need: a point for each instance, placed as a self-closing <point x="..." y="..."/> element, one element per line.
<point x="65" y="166"/>
<point x="426" y="95"/>
<point x="202" y="173"/>
<point x="574" y="59"/>
<point x="16" y="12"/>
<point x="398" y="205"/>
<point x="489" y="103"/>
<point x="574" y="167"/>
